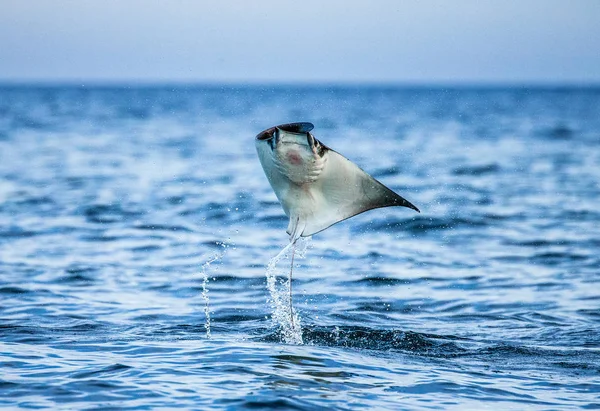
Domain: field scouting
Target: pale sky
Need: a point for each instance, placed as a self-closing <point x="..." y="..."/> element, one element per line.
<point x="334" y="41"/>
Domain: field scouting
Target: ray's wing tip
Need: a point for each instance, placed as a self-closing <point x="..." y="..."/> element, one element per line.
<point x="408" y="204"/>
<point x="414" y="207"/>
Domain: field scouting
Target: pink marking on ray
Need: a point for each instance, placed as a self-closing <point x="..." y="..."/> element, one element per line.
<point x="294" y="158"/>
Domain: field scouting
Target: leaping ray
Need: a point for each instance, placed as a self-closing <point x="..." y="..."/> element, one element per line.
<point x="316" y="186"/>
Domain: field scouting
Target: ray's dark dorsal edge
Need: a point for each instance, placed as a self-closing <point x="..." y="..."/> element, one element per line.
<point x="316" y="186"/>
<point x="290" y="128"/>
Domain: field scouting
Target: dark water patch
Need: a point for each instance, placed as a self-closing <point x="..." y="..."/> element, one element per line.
<point x="375" y="339"/>
<point x="580" y="215"/>
<point x="8" y="290"/>
<point x="462" y="390"/>
<point x="557" y="258"/>
<point x="176" y="200"/>
<point x="235" y="316"/>
<point x="83" y="326"/>
<point x="255" y="402"/>
<point x="281" y="220"/>
<point x="150" y="327"/>
<point x="558" y="132"/>
<point x="267" y="204"/>
<point x="549" y="285"/>
<point x="39" y="333"/>
<point x="109" y="213"/>
<point x="540" y="319"/>
<point x="134" y="112"/>
<point x="385" y="172"/>
<point x="421" y="225"/>
<point x="181" y="330"/>
<point x="78" y="279"/>
<point x="29" y="122"/>
<point x="383" y="281"/>
<point x="537" y="243"/>
<point x="100" y="237"/>
<point x="515" y="350"/>
<point x="211" y="211"/>
<point x="523" y="357"/>
<point x="80" y="269"/>
<point x="577" y="366"/>
<point x="549" y="258"/>
<point x="162" y="227"/>
<point x="585" y="336"/>
<point x="15" y="232"/>
<point x="103" y="372"/>
<point x="79" y="275"/>
<point x="593" y="314"/>
<point x="215" y="244"/>
<point x="149" y="318"/>
<point x="30" y="389"/>
<point x="161" y="287"/>
<point x="146" y="249"/>
<point x="24" y="335"/>
<point x="8" y="385"/>
<point x="44" y="202"/>
<point x="477" y="170"/>
<point x="77" y="182"/>
<point x="457" y="307"/>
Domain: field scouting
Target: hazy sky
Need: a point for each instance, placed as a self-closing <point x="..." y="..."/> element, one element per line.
<point x="306" y="40"/>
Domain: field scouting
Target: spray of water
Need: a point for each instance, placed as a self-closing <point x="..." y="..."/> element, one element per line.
<point x="288" y="322"/>
<point x="216" y="257"/>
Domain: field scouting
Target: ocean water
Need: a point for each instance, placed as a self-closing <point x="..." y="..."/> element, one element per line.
<point x="137" y="228"/>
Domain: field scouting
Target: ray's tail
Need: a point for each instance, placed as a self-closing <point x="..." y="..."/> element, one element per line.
<point x="290" y="284"/>
<point x="285" y="318"/>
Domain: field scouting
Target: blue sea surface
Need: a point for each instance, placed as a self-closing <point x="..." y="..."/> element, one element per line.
<point x="131" y="215"/>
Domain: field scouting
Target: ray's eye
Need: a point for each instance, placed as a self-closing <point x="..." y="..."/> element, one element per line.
<point x="319" y="148"/>
<point x="312" y="141"/>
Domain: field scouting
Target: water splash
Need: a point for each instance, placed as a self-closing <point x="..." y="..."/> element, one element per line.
<point x="284" y="316"/>
<point x="205" y="280"/>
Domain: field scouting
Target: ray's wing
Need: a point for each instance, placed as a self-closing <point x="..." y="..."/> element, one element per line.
<point x="343" y="191"/>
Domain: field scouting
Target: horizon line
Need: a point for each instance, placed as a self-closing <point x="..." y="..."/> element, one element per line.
<point x="120" y="83"/>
